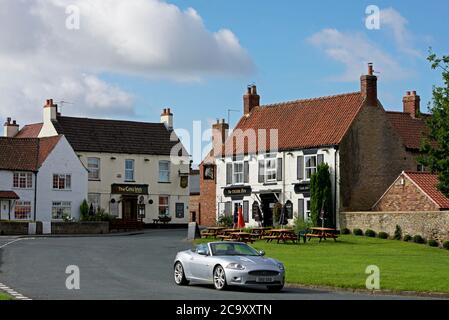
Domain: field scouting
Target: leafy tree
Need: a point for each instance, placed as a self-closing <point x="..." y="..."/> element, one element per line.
<point x="84" y="210"/>
<point x="321" y="195"/>
<point x="435" y="146"/>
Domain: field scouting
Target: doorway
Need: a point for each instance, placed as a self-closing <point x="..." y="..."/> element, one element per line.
<point x="268" y="202"/>
<point x="237" y="204"/>
<point x="129" y="208"/>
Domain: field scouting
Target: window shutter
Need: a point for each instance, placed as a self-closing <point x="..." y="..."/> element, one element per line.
<point x="228" y="209"/>
<point x="261" y="171"/>
<point x="246" y="172"/>
<point x="319" y="159"/>
<point x="301" y="208"/>
<point x="246" y="211"/>
<point x="229" y="173"/>
<point x="279" y="170"/>
<point x="300" y="168"/>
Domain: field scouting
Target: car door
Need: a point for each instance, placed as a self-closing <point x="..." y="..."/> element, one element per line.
<point x="200" y="263"/>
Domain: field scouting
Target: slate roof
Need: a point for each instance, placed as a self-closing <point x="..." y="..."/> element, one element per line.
<point x="428" y="182"/>
<point x="27" y="154"/>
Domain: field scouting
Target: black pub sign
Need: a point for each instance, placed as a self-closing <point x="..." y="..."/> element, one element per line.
<point x="302" y="188"/>
<point x="130" y="189"/>
<point x="237" y="192"/>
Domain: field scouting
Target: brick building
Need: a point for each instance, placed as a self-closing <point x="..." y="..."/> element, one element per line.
<point x="413" y="191"/>
<point x="350" y="132"/>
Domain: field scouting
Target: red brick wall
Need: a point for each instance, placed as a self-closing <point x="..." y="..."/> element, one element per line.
<point x="406" y="197"/>
<point x="194" y="207"/>
<point x="208" y="191"/>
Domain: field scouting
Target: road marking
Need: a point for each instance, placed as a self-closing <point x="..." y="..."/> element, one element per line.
<point x="13" y="241"/>
<point x="13" y="293"/>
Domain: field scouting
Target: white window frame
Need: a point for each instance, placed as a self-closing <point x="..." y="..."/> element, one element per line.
<point x="23" y="204"/>
<point x="166" y="206"/>
<point x="67" y="182"/>
<point x="25" y="177"/>
<point x="272" y="169"/>
<point x="61" y="205"/>
<point x="95" y="203"/>
<point x="238" y="175"/>
<point x="130" y="171"/>
<point x="94" y="168"/>
<point x="312" y="169"/>
<point x="164" y="174"/>
<point x="307" y="211"/>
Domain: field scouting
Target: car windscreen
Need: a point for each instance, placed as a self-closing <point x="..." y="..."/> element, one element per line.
<point x="232" y="249"/>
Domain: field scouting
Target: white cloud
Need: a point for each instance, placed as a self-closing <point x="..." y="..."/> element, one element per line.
<point x="354" y="51"/>
<point x="394" y="21"/>
<point x="40" y="58"/>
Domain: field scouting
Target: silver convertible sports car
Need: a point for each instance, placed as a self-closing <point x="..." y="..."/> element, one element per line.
<point x="228" y="264"/>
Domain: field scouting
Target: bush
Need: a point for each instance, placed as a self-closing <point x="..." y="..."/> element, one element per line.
<point x="345" y="231"/>
<point x="446" y="245"/>
<point x="300" y="225"/>
<point x="225" y="221"/>
<point x="370" y="233"/>
<point x="357" y="232"/>
<point x="397" y="233"/>
<point x="433" y="243"/>
<point x="383" y="235"/>
<point x="84" y="209"/>
<point x="418" y="239"/>
<point x="408" y="238"/>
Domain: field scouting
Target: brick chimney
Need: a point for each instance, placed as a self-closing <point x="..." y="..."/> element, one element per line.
<point x="251" y="99"/>
<point x="10" y="129"/>
<point x="369" y="86"/>
<point x="167" y="118"/>
<point x="220" y="131"/>
<point x="50" y="111"/>
<point x="411" y="102"/>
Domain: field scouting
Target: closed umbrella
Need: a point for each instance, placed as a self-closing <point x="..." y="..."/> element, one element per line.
<point x="283" y="220"/>
<point x="235" y="217"/>
<point x="241" y="220"/>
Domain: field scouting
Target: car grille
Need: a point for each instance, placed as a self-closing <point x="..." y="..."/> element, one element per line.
<point x="264" y="273"/>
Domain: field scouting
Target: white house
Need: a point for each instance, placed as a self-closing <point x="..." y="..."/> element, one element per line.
<point x="40" y="179"/>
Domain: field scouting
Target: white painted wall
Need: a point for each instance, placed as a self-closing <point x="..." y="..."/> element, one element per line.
<point x="286" y="185"/>
<point x="62" y="160"/>
<point x="6" y="184"/>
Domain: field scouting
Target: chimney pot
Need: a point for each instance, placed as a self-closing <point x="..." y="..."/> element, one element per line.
<point x="370" y="69"/>
<point x="411" y="104"/>
<point x="369" y="86"/>
<point x="251" y="99"/>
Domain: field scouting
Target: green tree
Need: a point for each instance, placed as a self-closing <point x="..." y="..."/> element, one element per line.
<point x="321" y="195"/>
<point x="435" y="146"/>
<point x="84" y="210"/>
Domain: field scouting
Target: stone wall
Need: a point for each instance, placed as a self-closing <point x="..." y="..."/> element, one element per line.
<point x="79" y="227"/>
<point x="13" y="228"/>
<point x="430" y="224"/>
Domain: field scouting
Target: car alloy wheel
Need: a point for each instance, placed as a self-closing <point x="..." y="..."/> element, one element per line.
<point x="180" y="278"/>
<point x="219" y="278"/>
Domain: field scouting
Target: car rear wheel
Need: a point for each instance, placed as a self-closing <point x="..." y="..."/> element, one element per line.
<point x="219" y="278"/>
<point x="180" y="278"/>
<point x="277" y="288"/>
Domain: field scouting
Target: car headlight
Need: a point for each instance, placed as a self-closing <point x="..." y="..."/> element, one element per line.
<point x="235" y="266"/>
<point x="281" y="266"/>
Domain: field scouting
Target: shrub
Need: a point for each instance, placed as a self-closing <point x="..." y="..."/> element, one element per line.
<point x="408" y="238"/>
<point x="383" y="235"/>
<point x="84" y="209"/>
<point x="300" y="224"/>
<point x="446" y="245"/>
<point x="370" y="233"/>
<point x="433" y="243"/>
<point x="345" y="231"/>
<point x="357" y="232"/>
<point x="397" y="233"/>
<point x="418" y="239"/>
<point x="225" y="221"/>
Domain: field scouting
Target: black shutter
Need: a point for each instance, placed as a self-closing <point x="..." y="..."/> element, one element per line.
<point x="246" y="172"/>
<point x="319" y="159"/>
<point x="261" y="172"/>
<point x="300" y="168"/>
<point x="229" y="173"/>
<point x="246" y="211"/>
<point x="228" y="209"/>
<point x="301" y="208"/>
<point x="279" y="170"/>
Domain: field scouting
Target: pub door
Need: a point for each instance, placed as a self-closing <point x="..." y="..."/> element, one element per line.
<point x="268" y="202"/>
<point x="130" y="209"/>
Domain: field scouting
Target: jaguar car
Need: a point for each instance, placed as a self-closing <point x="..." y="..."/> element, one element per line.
<point x="226" y="264"/>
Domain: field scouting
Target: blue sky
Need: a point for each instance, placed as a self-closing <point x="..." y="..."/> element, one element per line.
<point x="288" y="66"/>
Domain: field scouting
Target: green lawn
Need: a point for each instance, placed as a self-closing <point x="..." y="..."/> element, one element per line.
<point x="4" y="296"/>
<point x="403" y="266"/>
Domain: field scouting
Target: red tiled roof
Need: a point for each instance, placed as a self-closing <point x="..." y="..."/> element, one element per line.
<point x="26" y="154"/>
<point x="9" y="195"/>
<point x="428" y="183"/>
<point x="410" y="129"/>
<point x="30" y="131"/>
<point x="301" y="124"/>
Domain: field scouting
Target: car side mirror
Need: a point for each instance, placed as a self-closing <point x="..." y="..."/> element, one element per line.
<point x="261" y="253"/>
<point x="202" y="252"/>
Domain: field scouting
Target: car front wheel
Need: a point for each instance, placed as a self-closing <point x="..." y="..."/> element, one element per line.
<point x="180" y="278"/>
<point x="219" y="278"/>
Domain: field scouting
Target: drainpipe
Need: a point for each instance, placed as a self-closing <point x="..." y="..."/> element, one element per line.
<point x="283" y="178"/>
<point x="35" y="195"/>
<point x="335" y="186"/>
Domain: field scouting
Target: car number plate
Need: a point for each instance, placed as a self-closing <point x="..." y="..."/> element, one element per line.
<point x="264" y="279"/>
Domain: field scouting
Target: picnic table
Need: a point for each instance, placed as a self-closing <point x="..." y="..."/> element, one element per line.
<point x="240" y="237"/>
<point x="259" y="232"/>
<point x="212" y="232"/>
<point x="283" y="235"/>
<point x="322" y="233"/>
<point x="224" y="233"/>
